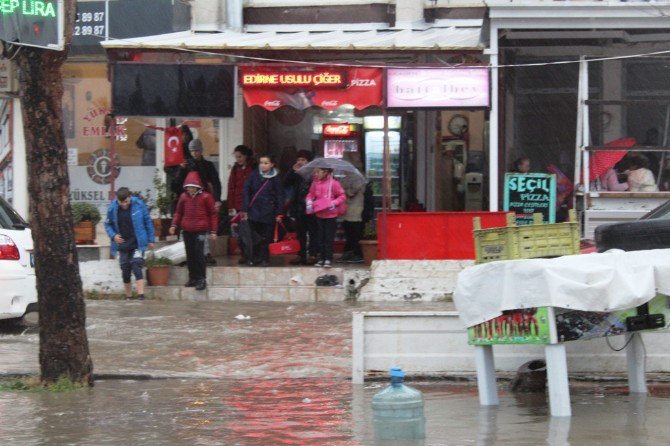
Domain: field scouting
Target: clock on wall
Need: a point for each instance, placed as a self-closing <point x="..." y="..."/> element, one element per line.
<point x="458" y="125"/>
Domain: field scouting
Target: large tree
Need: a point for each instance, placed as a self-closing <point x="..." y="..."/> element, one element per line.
<point x="62" y="317"/>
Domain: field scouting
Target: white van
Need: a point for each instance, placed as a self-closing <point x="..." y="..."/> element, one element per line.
<point x="18" y="292"/>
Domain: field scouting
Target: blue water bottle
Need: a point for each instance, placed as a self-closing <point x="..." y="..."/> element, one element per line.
<point x="397" y="411"/>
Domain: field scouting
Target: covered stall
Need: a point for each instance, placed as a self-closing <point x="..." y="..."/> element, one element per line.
<point x="553" y="301"/>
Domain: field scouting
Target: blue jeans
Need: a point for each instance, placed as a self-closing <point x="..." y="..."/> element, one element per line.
<point x="131" y="262"/>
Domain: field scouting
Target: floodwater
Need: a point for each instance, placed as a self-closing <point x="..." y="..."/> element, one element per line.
<point x="191" y="373"/>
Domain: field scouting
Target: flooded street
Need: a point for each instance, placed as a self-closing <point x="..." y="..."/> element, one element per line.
<point x="280" y="377"/>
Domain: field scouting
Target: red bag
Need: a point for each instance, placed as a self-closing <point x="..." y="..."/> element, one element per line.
<point x="289" y="245"/>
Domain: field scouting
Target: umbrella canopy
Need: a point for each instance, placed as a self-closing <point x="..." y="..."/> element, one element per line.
<point x="602" y="160"/>
<point x="340" y="168"/>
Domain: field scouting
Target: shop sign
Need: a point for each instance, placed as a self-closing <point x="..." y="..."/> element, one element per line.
<point x="322" y="79"/>
<point x="362" y="88"/>
<point x="530" y="193"/>
<point x="438" y="87"/>
<point x="85" y="188"/>
<point x="336" y="129"/>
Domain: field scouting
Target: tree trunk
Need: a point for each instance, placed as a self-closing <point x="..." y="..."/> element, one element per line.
<point x="62" y="318"/>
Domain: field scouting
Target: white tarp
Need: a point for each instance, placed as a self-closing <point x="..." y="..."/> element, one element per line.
<point x="614" y="280"/>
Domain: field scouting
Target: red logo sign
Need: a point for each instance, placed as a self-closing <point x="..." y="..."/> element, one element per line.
<point x="336" y="129"/>
<point x="174" y="155"/>
<point x="326" y="78"/>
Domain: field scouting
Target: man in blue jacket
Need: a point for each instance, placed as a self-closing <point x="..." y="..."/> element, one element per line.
<point x="131" y="230"/>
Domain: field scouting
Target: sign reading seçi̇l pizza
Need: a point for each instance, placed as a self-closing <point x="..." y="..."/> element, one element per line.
<point x="530" y="193"/>
<point x="32" y="22"/>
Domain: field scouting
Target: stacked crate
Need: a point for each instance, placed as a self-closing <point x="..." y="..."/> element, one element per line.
<point x="526" y="241"/>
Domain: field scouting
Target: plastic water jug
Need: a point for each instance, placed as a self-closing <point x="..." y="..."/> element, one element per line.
<point x="397" y="411"/>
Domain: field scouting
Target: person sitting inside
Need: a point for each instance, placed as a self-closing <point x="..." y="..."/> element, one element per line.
<point x="640" y="178"/>
<point x="610" y="181"/>
<point x="521" y="165"/>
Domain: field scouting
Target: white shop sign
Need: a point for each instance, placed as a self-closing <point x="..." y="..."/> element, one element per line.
<point x="438" y="87"/>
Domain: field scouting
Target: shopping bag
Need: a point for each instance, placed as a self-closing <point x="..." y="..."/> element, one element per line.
<point x="246" y="240"/>
<point x="289" y="245"/>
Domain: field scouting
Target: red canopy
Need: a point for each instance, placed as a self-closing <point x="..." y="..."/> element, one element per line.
<point x="362" y="89"/>
<point x="602" y="160"/>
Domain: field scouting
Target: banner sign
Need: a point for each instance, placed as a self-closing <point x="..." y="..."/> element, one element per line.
<point x="362" y="88"/>
<point x="530" y="193"/>
<point x="323" y="78"/>
<point x="437" y="87"/>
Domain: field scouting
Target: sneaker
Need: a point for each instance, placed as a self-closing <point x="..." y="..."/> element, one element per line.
<point x="319" y="264"/>
<point x="242" y="261"/>
<point x="327" y="264"/>
<point x="264" y="263"/>
<point x="355" y="259"/>
<point x="201" y="285"/>
<point x="191" y="283"/>
<point x="210" y="260"/>
<point x="346" y="256"/>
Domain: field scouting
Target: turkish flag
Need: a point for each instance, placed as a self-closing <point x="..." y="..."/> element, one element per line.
<point x="174" y="155"/>
<point x="602" y="160"/>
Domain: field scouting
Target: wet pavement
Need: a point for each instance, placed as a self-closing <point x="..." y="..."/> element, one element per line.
<point x="192" y="373"/>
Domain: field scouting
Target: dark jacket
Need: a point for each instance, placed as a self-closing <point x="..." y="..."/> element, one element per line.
<point x="269" y="202"/>
<point x="208" y="175"/>
<point x="196" y="213"/>
<point x="299" y="188"/>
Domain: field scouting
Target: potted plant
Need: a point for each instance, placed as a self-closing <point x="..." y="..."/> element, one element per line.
<point x="85" y="217"/>
<point x="158" y="270"/>
<point x="163" y="205"/>
<point x="369" y="243"/>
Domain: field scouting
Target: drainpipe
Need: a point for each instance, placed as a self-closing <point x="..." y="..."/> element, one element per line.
<point x="234" y="17"/>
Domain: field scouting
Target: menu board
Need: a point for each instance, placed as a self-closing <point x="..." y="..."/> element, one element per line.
<point x="530" y="193"/>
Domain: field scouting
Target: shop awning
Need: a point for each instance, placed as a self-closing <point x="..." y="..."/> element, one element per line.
<point x="430" y="38"/>
<point x="362" y="88"/>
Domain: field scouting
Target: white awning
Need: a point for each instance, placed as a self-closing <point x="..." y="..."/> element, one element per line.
<point x="431" y="38"/>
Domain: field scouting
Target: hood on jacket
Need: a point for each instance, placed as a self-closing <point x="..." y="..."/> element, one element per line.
<point x="193" y="179"/>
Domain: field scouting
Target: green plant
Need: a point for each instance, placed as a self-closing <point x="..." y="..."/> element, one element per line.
<point x="370" y="231"/>
<point x="157" y="261"/>
<point x="82" y="211"/>
<point x="164" y="196"/>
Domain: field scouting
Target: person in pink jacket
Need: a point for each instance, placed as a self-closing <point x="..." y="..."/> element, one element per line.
<point x="326" y="200"/>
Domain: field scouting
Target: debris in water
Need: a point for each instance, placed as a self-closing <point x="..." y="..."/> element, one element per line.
<point x="241" y="317"/>
<point x="306" y="401"/>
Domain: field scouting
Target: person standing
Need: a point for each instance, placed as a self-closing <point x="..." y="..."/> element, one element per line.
<point x="305" y="225"/>
<point x="209" y="178"/>
<point x="353" y="219"/>
<point x="197" y="217"/>
<point x="131" y="231"/>
<point x="262" y="207"/>
<point x="323" y="199"/>
<point x="239" y="173"/>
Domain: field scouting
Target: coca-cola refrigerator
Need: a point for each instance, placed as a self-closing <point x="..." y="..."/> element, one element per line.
<point x="340" y="138"/>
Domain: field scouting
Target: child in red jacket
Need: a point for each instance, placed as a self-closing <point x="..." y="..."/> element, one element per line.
<point x="196" y="215"/>
<point x="326" y="200"/>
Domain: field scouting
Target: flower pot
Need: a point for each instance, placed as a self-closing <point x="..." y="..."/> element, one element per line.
<point x="84" y="233"/>
<point x="158" y="275"/>
<point x="369" y="249"/>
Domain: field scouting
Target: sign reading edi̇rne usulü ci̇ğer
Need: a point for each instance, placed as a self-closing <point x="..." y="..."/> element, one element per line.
<point x="36" y="23"/>
<point x="530" y="193"/>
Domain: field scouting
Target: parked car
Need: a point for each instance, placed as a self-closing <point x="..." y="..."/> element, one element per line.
<point x="18" y="292"/>
<point x="651" y="231"/>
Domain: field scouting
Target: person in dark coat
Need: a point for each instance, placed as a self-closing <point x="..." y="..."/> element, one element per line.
<point x="197" y="217"/>
<point x="305" y="225"/>
<point x="262" y="207"/>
